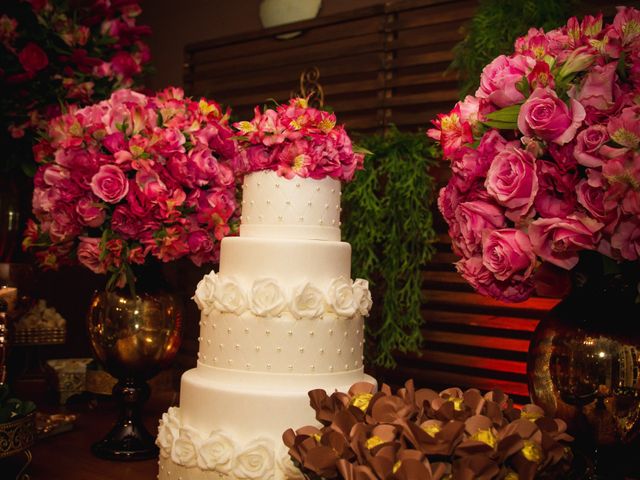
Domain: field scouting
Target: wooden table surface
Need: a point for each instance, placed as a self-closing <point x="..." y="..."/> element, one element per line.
<point x="67" y="456"/>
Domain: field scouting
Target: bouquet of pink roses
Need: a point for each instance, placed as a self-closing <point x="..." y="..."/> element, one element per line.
<point x="545" y="158"/>
<point x="295" y="139"/>
<point x="56" y="52"/>
<point x="133" y="177"/>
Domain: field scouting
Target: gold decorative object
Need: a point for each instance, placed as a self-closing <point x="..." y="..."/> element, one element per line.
<point x="584" y="367"/>
<point x="17" y="437"/>
<point x="133" y="338"/>
<point x="310" y="87"/>
<point x="38" y="336"/>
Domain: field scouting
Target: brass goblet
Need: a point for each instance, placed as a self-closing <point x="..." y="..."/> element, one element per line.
<point x="133" y="338"/>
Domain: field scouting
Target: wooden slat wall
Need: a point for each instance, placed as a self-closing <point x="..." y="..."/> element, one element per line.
<point x="378" y="66"/>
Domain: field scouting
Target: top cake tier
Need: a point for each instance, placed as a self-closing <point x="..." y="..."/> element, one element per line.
<point x="297" y="208"/>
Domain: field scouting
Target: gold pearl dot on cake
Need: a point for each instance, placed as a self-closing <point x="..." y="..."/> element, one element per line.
<point x="252" y="202"/>
<point x="204" y="357"/>
<point x="268" y="332"/>
<point x="356" y="363"/>
<point x="320" y="221"/>
<point x="278" y="349"/>
<point x="229" y="361"/>
<point x="312" y="333"/>
<point x="331" y="368"/>
<point x="257" y="348"/>
<point x="360" y="344"/>
<point x="258" y="184"/>
<point x="357" y="331"/>
<point x="290" y="333"/>
<point x="339" y="224"/>
<point x="277" y="185"/>
<point x="268" y="366"/>
<point x="229" y="330"/>
<point x="280" y="217"/>
<point x="353" y="349"/>
<point x="259" y="217"/>
<point x="317" y="189"/>
<point x="297" y="185"/>
<point x="268" y="202"/>
<point x="288" y="202"/>
<point x="326" y="206"/>
<point x="309" y="203"/>
<point x="301" y="219"/>
<point x="339" y="351"/>
<point x="346" y="334"/>
<point x="208" y="341"/>
<point x="237" y="346"/>
<point x="301" y="349"/>
<point x="215" y="359"/>
<point x="333" y="222"/>
<point x="214" y="325"/>
<point x="313" y="367"/>
<point x="330" y="331"/>
<point x="199" y="339"/>
<point x="221" y="346"/>
<point x="198" y="354"/>
<point x="346" y="366"/>
<point x="247" y="366"/>
<point x="321" y="351"/>
<point x="246" y="330"/>
<point x="290" y="367"/>
<point x="333" y="190"/>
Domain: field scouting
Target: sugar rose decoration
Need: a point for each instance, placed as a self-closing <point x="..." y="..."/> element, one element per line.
<point x="134" y="178"/>
<point x="545" y="158"/>
<point x="295" y="139"/>
<point x="423" y="434"/>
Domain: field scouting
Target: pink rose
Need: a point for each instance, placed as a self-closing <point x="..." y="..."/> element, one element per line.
<point x="473" y="219"/>
<point x="506" y="252"/>
<point x="33" y="58"/>
<point x="201" y="246"/>
<point x="547" y="117"/>
<point x="89" y="254"/>
<point x="557" y="190"/>
<point x="588" y="143"/>
<point x="591" y="195"/>
<point x="597" y="88"/>
<point x="124" y="65"/>
<point x="559" y="240"/>
<point x="151" y="186"/>
<point x="110" y="184"/>
<point x="499" y="78"/>
<point x="90" y="212"/>
<point x="626" y="238"/>
<point x="512" y="181"/>
<point x="125" y="223"/>
<point x="485" y="283"/>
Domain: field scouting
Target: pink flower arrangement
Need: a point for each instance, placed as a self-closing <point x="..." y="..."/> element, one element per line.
<point x="57" y="53"/>
<point x="134" y="177"/>
<point x="545" y="158"/>
<point x="297" y="140"/>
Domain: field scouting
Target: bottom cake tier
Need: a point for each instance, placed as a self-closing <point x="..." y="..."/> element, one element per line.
<point x="231" y="430"/>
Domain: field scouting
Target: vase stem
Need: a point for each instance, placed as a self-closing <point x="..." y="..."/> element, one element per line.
<point x="129" y="439"/>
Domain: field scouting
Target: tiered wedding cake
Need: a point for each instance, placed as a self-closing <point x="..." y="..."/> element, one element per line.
<point x="280" y="318"/>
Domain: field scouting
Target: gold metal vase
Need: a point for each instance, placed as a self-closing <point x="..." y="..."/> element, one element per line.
<point x="134" y="338"/>
<point x="584" y="367"/>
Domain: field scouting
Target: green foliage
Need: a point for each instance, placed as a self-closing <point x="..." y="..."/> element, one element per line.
<point x="12" y="408"/>
<point x="494" y="29"/>
<point x="388" y="221"/>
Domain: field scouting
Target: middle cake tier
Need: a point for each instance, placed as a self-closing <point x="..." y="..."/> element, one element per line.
<point x="283" y="307"/>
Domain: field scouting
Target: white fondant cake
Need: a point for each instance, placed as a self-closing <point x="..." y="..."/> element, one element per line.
<point x="280" y="318"/>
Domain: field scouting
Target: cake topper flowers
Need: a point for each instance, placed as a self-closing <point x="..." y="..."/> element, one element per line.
<point x="131" y="178"/>
<point x="295" y="139"/>
<point x="545" y="158"/>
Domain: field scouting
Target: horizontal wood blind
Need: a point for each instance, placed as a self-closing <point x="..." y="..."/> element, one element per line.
<point x="379" y="66"/>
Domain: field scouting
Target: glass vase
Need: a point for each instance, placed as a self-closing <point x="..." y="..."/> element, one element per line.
<point x="584" y="367"/>
<point x="133" y="338"/>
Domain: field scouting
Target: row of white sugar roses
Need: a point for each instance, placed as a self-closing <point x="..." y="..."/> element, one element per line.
<point x="267" y="298"/>
<point x="188" y="448"/>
